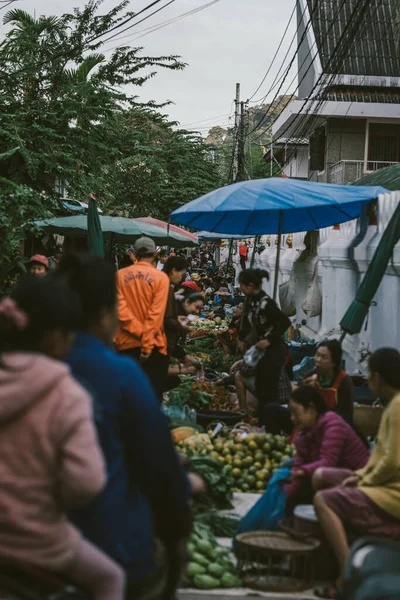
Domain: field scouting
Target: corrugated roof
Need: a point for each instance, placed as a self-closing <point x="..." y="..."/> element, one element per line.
<point x="389" y="177"/>
<point x="373" y="52"/>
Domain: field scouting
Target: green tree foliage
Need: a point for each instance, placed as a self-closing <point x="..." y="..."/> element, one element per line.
<point x="66" y="116"/>
<point x="156" y="168"/>
<point x="59" y="94"/>
<point x="18" y="205"/>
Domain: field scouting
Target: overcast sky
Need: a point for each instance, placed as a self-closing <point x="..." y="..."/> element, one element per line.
<point x="231" y="41"/>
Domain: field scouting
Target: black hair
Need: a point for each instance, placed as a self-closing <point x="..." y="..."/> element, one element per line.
<point x="193" y="297"/>
<point x="93" y="280"/>
<point x="174" y="262"/>
<point x="254" y="276"/>
<point x="163" y="253"/>
<point x="143" y="253"/>
<point x="309" y="397"/>
<point x="48" y="304"/>
<point x="125" y="261"/>
<point x="386" y="362"/>
<point x="335" y="350"/>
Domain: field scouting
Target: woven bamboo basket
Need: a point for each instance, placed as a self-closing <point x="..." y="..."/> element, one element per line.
<point x="275" y="562"/>
<point x="367" y="419"/>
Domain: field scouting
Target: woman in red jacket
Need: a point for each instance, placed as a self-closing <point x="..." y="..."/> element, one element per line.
<point x="332" y="382"/>
<point x="324" y="440"/>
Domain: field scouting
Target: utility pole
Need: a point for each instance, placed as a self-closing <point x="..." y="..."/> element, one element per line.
<point x="235" y="157"/>
<point x="236" y="135"/>
<point x="241" y="176"/>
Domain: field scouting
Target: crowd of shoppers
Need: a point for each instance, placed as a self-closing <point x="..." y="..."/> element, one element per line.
<point x="96" y="492"/>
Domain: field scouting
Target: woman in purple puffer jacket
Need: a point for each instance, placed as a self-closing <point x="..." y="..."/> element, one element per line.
<point x="324" y="440"/>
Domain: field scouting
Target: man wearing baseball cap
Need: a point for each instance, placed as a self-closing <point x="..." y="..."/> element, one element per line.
<point x="142" y="300"/>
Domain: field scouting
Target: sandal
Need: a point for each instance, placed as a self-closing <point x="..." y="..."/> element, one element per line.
<point x="328" y="591"/>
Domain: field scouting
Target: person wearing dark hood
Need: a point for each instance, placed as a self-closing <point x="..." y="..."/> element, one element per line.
<point x="267" y="324"/>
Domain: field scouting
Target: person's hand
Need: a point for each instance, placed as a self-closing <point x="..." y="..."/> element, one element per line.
<point x="351" y="481"/>
<point x="312" y="380"/>
<point x="236" y="366"/>
<point x="241" y="346"/>
<point x="197" y="484"/>
<point x="144" y="356"/>
<point x="191" y="361"/>
<point x="297" y="475"/>
<point x="263" y="344"/>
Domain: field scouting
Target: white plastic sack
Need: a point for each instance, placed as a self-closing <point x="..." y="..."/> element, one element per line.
<point x="287" y="297"/>
<point x="312" y="304"/>
<point x="253" y="356"/>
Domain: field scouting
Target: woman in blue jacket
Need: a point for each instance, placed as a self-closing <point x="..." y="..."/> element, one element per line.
<point x="148" y="492"/>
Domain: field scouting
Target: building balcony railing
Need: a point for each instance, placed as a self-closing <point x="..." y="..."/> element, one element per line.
<point x="347" y="171"/>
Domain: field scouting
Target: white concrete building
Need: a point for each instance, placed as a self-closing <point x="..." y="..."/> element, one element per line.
<point x="349" y="90"/>
<point x="343" y="255"/>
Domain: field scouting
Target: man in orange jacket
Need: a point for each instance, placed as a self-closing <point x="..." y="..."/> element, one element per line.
<point x="243" y="252"/>
<point x="142" y="300"/>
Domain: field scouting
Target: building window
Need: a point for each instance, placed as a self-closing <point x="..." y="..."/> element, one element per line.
<point x="317" y="149"/>
<point x="383" y="145"/>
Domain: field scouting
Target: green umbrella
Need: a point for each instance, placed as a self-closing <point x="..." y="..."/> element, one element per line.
<point x="95" y="235"/>
<point x="353" y="320"/>
<point x="117" y="229"/>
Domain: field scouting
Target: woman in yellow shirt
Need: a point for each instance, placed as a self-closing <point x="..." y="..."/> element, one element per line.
<point x="368" y="501"/>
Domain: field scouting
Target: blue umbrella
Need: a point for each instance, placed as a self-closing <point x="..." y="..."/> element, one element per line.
<point x="275" y="205"/>
<point x="210" y="236"/>
<point x="254" y="207"/>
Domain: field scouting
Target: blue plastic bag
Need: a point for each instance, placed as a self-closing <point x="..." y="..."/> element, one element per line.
<point x="270" y="508"/>
<point x="304" y="368"/>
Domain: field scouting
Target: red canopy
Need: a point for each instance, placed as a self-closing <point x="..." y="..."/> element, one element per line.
<point x="164" y="224"/>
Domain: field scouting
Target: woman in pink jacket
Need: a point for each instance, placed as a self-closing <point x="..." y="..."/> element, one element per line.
<point x="49" y="459"/>
<point x="324" y="440"/>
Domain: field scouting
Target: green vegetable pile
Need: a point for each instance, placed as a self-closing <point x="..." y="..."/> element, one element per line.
<point x="219" y="484"/>
<point x="186" y="394"/>
<point x="200" y="395"/>
<point x="209" y="564"/>
<point x="219" y="360"/>
<point x="220" y="525"/>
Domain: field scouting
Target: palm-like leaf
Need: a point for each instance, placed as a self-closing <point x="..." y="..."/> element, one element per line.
<point x="9" y="153"/>
<point x="81" y="73"/>
<point x="19" y="16"/>
<point x="23" y="21"/>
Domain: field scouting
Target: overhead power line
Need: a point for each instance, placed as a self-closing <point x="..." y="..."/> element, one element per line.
<point x="278" y="77"/>
<point x="90" y="40"/>
<point x="322" y="76"/>
<point x="276" y="53"/>
<point x="205" y="120"/>
<point x="157" y="27"/>
<point x="309" y="22"/>
<point x="125" y="21"/>
<point x="350" y="32"/>
<point x="136" y="23"/>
